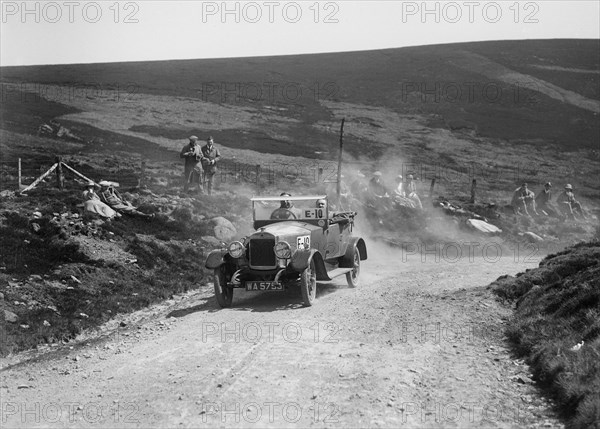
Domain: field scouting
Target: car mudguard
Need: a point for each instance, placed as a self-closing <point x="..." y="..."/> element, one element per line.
<point x="346" y="261"/>
<point x="215" y="259"/>
<point x="301" y="259"/>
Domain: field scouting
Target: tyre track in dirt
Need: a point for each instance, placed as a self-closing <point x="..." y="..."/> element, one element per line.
<point x="401" y="350"/>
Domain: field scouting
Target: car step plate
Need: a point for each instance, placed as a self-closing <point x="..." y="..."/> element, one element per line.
<point x="269" y="286"/>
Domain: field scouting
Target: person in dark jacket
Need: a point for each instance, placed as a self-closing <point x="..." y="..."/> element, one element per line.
<point x="376" y="186"/>
<point x="543" y="202"/>
<point x="192" y="154"/>
<point x="286" y="209"/>
<point x="523" y="201"/>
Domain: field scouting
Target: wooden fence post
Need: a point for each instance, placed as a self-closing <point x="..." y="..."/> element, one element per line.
<point x="20" y="182"/>
<point x="143" y="174"/>
<point x="431" y="188"/>
<point x="473" y="190"/>
<point x="60" y="177"/>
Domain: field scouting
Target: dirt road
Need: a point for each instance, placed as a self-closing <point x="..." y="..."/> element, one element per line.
<point x="418" y="344"/>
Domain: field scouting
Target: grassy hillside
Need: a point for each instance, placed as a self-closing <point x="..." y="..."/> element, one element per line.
<point x="558" y="307"/>
<point x="475" y="98"/>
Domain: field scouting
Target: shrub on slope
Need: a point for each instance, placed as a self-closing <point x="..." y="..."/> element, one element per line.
<point x="557" y="308"/>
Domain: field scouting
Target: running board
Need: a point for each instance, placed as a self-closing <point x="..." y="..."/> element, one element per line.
<point x="336" y="273"/>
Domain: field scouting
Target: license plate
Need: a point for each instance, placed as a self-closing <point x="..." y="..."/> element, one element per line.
<point x="272" y="286"/>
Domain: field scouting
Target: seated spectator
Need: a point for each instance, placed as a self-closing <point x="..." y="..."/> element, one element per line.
<point x="113" y="198"/>
<point x="543" y="202"/>
<point x="523" y="201"/>
<point x="93" y="204"/>
<point x="568" y="204"/>
<point x="411" y="191"/>
<point x="399" y="191"/>
<point x="377" y="187"/>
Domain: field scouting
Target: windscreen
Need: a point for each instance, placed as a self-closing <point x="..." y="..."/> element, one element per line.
<point x="305" y="210"/>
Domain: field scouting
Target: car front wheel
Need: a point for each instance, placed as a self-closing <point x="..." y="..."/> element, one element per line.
<point x="352" y="276"/>
<point x="223" y="293"/>
<point x="308" y="284"/>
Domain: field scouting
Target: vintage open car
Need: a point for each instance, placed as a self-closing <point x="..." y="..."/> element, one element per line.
<point x="298" y="241"/>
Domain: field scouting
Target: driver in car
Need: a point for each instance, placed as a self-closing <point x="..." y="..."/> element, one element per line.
<point x="286" y="209"/>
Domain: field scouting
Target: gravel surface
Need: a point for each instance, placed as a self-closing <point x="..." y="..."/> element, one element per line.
<point x="418" y="344"/>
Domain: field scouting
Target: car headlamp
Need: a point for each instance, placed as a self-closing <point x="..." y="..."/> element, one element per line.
<point x="236" y="249"/>
<point x="283" y="250"/>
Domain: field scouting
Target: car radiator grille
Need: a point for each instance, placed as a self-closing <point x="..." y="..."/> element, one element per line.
<point x="262" y="253"/>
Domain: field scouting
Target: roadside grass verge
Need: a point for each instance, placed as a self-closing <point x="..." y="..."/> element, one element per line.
<point x="63" y="310"/>
<point x="558" y="308"/>
<point x="61" y="277"/>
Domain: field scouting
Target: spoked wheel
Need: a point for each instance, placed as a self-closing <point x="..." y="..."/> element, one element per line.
<point x="223" y="293"/>
<point x="352" y="276"/>
<point x="308" y="284"/>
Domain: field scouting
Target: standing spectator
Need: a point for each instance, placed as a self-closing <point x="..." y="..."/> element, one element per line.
<point x="568" y="204"/>
<point x="543" y="202"/>
<point x="193" y="167"/>
<point x="523" y="199"/>
<point x="210" y="156"/>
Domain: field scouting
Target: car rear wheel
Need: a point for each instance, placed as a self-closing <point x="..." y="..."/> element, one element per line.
<point x="308" y="284"/>
<point x="223" y="293"/>
<point x="352" y="276"/>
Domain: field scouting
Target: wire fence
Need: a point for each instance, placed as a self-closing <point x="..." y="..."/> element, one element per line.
<point x="17" y="174"/>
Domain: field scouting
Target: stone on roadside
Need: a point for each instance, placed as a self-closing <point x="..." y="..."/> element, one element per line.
<point x="10" y="317"/>
<point x="533" y="238"/>
<point x="9" y="195"/>
<point x="223" y="228"/>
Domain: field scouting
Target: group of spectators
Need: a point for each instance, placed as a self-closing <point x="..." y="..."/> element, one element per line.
<point x="525" y="202"/>
<point x="200" y="164"/>
<point x="405" y="189"/>
<point x="108" y="202"/>
<point x="200" y="168"/>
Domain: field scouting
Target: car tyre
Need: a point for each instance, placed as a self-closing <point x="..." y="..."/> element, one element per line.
<point x="308" y="284"/>
<point x="352" y="276"/>
<point x="223" y="293"/>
